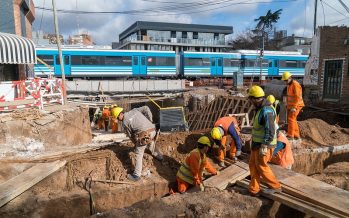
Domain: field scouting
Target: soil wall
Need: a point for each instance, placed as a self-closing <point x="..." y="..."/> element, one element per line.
<point x="33" y="129"/>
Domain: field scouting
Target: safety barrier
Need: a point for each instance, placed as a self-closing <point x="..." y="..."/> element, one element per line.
<point x="30" y="93"/>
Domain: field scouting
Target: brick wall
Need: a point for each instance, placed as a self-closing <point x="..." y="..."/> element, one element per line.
<point x="332" y="47"/>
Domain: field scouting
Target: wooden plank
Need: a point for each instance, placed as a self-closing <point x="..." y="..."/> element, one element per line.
<point x="295" y="203"/>
<point x="227" y="176"/>
<point x="313" y="190"/>
<point x="20" y="183"/>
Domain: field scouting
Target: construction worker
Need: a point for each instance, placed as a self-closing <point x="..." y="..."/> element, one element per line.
<point x="113" y="119"/>
<point x="138" y="124"/>
<point x="282" y="154"/>
<point x="223" y="127"/>
<point x="294" y="105"/>
<point x="275" y="104"/>
<point x="263" y="143"/>
<point x="105" y="117"/>
<point x="190" y="172"/>
<point x="100" y="121"/>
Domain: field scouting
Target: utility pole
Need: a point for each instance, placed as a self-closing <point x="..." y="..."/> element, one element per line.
<point x="315" y="15"/>
<point x="261" y="57"/>
<point x="59" y="51"/>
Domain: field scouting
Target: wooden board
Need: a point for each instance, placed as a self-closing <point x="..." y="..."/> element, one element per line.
<point x="227" y="176"/>
<point x="19" y="184"/>
<point x="295" y="203"/>
<point x="313" y="190"/>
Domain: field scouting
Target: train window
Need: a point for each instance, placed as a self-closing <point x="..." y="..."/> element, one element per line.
<point x="161" y="61"/>
<point x="250" y="63"/>
<point x="142" y="60"/>
<point x="231" y="62"/>
<point x="219" y="62"/>
<point x="197" y="61"/>
<point x="270" y="63"/>
<point x="135" y="60"/>
<point x="91" y="60"/>
<point x="87" y="60"/>
<point x="76" y="60"/>
<point x="213" y="62"/>
<point x="66" y="60"/>
<point x="48" y="59"/>
<point x="291" y="64"/>
<point x="117" y="60"/>
<point x="301" y="64"/>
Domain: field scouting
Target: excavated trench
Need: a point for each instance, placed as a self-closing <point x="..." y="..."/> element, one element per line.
<point x="66" y="193"/>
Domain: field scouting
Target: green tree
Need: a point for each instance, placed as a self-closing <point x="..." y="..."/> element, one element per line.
<point x="267" y="21"/>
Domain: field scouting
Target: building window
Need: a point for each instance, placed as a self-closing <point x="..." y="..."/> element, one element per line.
<point x="216" y="36"/>
<point x="173" y="34"/>
<point x="184" y="34"/>
<point x="195" y="35"/>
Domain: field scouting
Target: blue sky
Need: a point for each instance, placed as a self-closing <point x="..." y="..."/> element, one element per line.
<point x="296" y="17"/>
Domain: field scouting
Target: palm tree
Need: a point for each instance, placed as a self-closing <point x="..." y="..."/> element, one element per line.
<point x="266" y="22"/>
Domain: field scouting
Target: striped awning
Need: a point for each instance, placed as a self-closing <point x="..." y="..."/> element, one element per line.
<point x="16" y="49"/>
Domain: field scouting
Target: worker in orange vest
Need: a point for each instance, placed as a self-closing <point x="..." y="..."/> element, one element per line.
<point x="100" y="121"/>
<point x="114" y="119"/>
<point x="223" y="127"/>
<point x="282" y="154"/>
<point x="190" y="172"/>
<point x="105" y="117"/>
<point x="294" y="105"/>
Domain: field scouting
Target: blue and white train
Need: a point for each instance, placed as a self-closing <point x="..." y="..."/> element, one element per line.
<point x="98" y="63"/>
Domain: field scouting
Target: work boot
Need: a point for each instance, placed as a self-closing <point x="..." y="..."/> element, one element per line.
<point x="221" y="164"/>
<point x="255" y="194"/>
<point x="159" y="157"/>
<point x="290" y="138"/>
<point x="133" y="177"/>
<point x="271" y="191"/>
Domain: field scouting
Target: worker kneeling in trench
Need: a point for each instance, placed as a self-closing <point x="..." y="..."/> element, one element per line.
<point x="190" y="172"/>
<point x="138" y="124"/>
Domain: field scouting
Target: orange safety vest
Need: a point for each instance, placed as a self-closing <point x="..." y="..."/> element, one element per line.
<point x="294" y="95"/>
<point x="105" y="114"/>
<point x="225" y="122"/>
<point x="284" y="157"/>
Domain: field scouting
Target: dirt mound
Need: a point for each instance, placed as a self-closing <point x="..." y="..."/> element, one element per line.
<point x="317" y="132"/>
<point x="336" y="174"/>
<point x="211" y="203"/>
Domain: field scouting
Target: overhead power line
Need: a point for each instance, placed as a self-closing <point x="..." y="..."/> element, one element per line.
<point x="155" y="11"/>
<point x="336" y="10"/>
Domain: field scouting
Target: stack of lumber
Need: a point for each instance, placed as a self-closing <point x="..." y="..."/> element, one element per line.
<point x="228" y="176"/>
<point x="308" y="195"/>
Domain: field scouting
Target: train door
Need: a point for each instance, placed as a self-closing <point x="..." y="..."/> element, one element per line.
<point x="139" y="66"/>
<point x="219" y="67"/>
<point x="66" y="65"/>
<point x="273" y="68"/>
<point x="216" y="66"/>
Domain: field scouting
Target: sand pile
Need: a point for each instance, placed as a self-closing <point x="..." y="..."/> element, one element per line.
<point x="319" y="133"/>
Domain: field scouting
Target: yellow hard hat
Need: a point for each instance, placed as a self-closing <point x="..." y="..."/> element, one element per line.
<point x="106" y="107"/>
<point x="286" y="75"/>
<point x="216" y="133"/>
<point x="205" y="141"/>
<point x="271" y="99"/>
<point x="116" y="111"/>
<point x="256" y="92"/>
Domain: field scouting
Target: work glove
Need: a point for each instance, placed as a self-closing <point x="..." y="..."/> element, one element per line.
<point x="293" y="110"/>
<point x="202" y="187"/>
<point x="238" y="153"/>
<point x="263" y="150"/>
<point x="217" y="173"/>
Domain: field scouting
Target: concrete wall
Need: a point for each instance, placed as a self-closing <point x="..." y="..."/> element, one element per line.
<point x="125" y="86"/>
